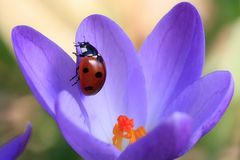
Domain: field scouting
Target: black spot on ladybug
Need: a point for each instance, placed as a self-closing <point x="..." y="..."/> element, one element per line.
<point x="85" y="70"/>
<point x="98" y="75"/>
<point x="88" y="88"/>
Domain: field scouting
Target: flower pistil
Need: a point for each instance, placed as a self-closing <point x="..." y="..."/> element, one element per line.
<point x="124" y="129"/>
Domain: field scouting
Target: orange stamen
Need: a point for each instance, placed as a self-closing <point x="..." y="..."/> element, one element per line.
<point x="124" y="129"/>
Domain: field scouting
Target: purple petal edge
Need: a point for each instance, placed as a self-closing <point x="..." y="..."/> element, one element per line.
<point x="13" y="148"/>
<point x="212" y="120"/>
<point x="172" y="57"/>
<point x="210" y="97"/>
<point x="45" y="66"/>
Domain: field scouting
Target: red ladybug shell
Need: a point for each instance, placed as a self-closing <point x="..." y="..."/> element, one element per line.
<point x="92" y="74"/>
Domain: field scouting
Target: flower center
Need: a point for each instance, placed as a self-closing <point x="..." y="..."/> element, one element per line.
<point x="124" y="129"/>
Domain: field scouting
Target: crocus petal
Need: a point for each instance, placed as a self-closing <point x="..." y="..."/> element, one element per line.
<point x="172" y="57"/>
<point x="45" y="66"/>
<point x="164" y="142"/>
<point x="69" y="119"/>
<point x="124" y="89"/>
<point x="206" y="100"/>
<point x="12" y="149"/>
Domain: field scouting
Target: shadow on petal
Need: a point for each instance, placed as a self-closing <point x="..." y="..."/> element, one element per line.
<point x="71" y="123"/>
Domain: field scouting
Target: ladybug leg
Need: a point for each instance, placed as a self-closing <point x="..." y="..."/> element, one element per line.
<point x="75" y="53"/>
<point x="76" y="82"/>
<point x="76" y="74"/>
<point x="73" y="77"/>
<point x="78" y="54"/>
<point x="76" y="44"/>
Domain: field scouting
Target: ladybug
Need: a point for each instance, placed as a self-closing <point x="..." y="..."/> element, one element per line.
<point x="91" y="70"/>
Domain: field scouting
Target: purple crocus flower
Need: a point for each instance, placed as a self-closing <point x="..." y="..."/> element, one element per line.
<point x="12" y="149"/>
<point x="159" y="86"/>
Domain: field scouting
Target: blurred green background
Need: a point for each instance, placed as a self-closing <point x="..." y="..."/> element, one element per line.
<point x="58" y="20"/>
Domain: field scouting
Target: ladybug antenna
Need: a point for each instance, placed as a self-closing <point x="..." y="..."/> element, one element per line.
<point x="76" y="44"/>
<point x="84" y="38"/>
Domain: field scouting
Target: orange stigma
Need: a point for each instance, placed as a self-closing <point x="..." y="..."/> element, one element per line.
<point x="124" y="129"/>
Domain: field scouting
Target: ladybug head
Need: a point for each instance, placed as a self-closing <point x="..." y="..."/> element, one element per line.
<point x="84" y="44"/>
<point x="88" y="49"/>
